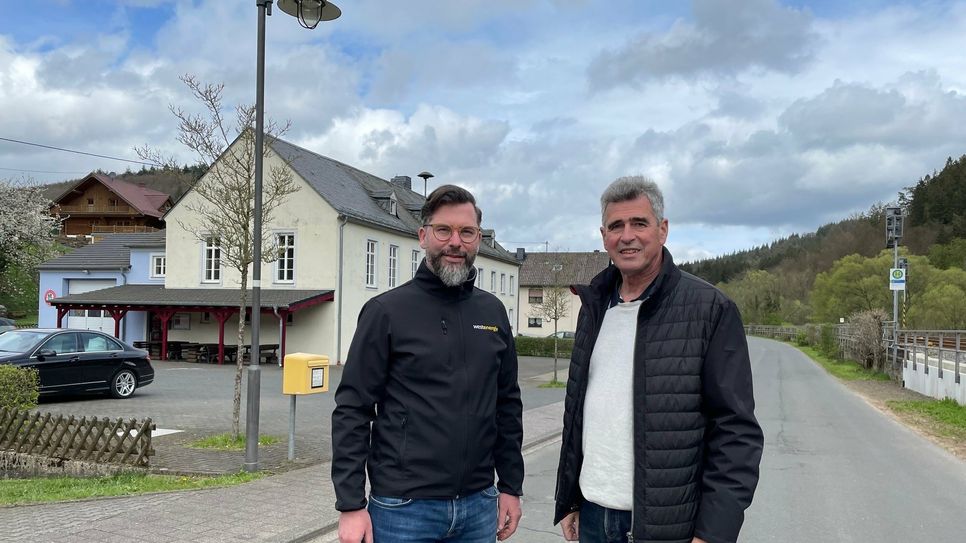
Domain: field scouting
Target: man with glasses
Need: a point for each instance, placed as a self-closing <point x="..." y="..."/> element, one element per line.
<point x="429" y="404"/>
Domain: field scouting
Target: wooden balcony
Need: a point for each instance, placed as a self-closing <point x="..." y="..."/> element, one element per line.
<point x="112" y="229"/>
<point x="98" y="210"/>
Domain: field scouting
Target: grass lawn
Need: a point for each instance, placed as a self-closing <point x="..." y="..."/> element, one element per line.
<point x="225" y="442"/>
<point x="52" y="489"/>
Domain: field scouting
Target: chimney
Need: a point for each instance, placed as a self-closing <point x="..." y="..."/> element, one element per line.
<point x="521" y="254"/>
<point x="403" y="181"/>
<point x="489" y="237"/>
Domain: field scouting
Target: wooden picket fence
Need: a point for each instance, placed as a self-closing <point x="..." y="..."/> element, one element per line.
<point x="87" y="439"/>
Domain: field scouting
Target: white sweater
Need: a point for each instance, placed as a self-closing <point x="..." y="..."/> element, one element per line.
<point x="607" y="474"/>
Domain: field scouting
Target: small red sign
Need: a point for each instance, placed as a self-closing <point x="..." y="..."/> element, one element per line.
<point x="49" y="295"/>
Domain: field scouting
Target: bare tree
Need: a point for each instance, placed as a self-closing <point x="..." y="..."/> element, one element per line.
<point x="555" y="306"/>
<point x="227" y="204"/>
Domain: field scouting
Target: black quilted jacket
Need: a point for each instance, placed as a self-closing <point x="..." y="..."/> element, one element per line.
<point x="697" y="444"/>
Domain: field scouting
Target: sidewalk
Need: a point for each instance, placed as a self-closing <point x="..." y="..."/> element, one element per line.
<point x="295" y="506"/>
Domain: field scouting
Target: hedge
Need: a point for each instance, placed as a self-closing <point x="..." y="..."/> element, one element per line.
<point x="19" y="387"/>
<point x="543" y="346"/>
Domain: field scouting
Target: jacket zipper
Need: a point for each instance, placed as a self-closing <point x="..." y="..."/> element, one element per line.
<point x="442" y="324"/>
<point x="630" y="532"/>
<point x="466" y="382"/>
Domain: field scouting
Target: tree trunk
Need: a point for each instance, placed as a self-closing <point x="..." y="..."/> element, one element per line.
<point x="555" y="339"/>
<point x="236" y="406"/>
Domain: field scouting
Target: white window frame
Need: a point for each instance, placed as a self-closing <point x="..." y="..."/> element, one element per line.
<point x="393" y="205"/>
<point x="492" y="281"/>
<point x="534" y="322"/>
<point x="416" y="260"/>
<point x="393" y="265"/>
<point x="279" y="270"/>
<point x="479" y="277"/>
<point x="153" y="258"/>
<point x="513" y="287"/>
<point x="371" y="272"/>
<point x="502" y="283"/>
<point x="211" y="274"/>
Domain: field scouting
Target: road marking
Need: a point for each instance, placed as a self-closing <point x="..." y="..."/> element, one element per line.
<point x="157" y="433"/>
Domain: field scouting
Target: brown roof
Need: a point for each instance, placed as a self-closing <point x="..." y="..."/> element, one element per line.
<point x="562" y="269"/>
<point x="146" y="201"/>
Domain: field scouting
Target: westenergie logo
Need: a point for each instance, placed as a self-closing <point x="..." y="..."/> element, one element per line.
<point x="486" y="327"/>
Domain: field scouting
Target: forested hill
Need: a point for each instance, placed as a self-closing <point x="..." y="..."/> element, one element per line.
<point x="174" y="182"/>
<point x="935" y="210"/>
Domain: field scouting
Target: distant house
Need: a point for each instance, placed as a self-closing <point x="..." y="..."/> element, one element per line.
<point x="99" y="204"/>
<point x="542" y="271"/>
<point x="344" y="237"/>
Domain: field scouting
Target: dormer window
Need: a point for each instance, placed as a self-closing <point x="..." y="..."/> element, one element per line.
<point x="392" y="205"/>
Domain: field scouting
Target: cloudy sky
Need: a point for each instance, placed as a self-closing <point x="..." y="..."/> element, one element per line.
<point x="758" y="118"/>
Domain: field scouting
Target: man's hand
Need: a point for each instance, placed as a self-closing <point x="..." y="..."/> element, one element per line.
<point x="698" y="540"/>
<point x="507" y="516"/>
<point x="571" y="526"/>
<point x="355" y="527"/>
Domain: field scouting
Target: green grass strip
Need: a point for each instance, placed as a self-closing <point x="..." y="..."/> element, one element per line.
<point x="843" y="369"/>
<point x="225" y="442"/>
<point x="53" y="489"/>
<point x="553" y="384"/>
<point x="949" y="416"/>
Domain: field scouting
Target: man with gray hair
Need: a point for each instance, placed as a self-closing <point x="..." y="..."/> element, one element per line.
<point x="660" y="440"/>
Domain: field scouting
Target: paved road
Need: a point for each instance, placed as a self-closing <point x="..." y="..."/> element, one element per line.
<point x="835" y="469"/>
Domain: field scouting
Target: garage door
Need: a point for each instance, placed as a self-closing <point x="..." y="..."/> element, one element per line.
<point x="91" y="319"/>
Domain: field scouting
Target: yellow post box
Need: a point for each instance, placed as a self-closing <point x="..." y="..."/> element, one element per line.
<point x="305" y="374"/>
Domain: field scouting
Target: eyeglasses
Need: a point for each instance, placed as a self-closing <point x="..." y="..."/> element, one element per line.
<point x="443" y="232"/>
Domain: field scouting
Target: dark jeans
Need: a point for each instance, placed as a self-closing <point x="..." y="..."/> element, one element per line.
<point x="602" y="525"/>
<point x="470" y="519"/>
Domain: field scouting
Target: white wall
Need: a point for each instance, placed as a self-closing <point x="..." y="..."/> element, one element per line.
<point x="568" y="323"/>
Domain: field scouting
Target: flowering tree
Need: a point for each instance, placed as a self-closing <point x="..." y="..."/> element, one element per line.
<point x="27" y="232"/>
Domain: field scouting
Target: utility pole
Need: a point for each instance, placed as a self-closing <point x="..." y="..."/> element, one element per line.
<point x="897" y="275"/>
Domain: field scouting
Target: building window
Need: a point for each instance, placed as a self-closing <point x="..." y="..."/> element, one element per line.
<point x="492" y="281"/>
<point x="510" y="313"/>
<point x="285" y="265"/>
<point x="513" y="286"/>
<point x="371" y="263"/>
<point x="392" y="205"/>
<point x="536" y="296"/>
<point x="415" y="262"/>
<point x="112" y="202"/>
<point x="502" y="283"/>
<point x="158" y="266"/>
<point x="212" y="260"/>
<point x="479" y="277"/>
<point x="393" y="265"/>
<point x="205" y="317"/>
<point x="534" y="322"/>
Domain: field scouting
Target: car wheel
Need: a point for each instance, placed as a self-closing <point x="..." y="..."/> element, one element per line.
<point x="123" y="384"/>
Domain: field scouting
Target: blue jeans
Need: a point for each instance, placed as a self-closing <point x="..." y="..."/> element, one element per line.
<point x="602" y="525"/>
<point x="469" y="519"/>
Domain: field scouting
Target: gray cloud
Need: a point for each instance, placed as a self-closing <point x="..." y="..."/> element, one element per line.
<point x="725" y="38"/>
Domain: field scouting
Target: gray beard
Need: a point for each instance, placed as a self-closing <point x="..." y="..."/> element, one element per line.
<point x="451" y="276"/>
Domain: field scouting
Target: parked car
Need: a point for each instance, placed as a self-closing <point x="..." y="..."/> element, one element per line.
<point x="563" y="335"/>
<point x="78" y="361"/>
<point x="7" y="324"/>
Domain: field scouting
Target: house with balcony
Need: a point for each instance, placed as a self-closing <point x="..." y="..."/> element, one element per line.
<point x="99" y="204"/>
<point x="342" y="238"/>
<point x="541" y="272"/>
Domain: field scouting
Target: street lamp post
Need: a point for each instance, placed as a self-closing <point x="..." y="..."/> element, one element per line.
<point x="309" y="13"/>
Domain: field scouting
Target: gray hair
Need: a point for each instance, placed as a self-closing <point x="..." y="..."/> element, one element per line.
<point x="631" y="188"/>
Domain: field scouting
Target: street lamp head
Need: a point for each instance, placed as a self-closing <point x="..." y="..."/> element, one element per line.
<point x="310" y="12"/>
<point x="426" y="176"/>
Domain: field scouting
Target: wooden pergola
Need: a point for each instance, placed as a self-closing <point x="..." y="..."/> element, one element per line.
<point x="222" y="304"/>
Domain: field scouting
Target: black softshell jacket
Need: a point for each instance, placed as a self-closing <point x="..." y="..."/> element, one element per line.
<point x="434" y="370"/>
<point x="697" y="444"/>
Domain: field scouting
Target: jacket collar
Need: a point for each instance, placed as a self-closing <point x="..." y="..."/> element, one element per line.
<point x="602" y="286"/>
<point x="431" y="283"/>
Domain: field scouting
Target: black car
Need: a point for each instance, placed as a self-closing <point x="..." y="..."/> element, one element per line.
<point x="77" y="361"/>
<point x="6" y="325"/>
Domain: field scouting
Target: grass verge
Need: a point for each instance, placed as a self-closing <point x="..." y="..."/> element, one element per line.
<point x="225" y="442"/>
<point x="553" y="384"/>
<point x="946" y="417"/>
<point x="843" y="369"/>
<point x="53" y="489"/>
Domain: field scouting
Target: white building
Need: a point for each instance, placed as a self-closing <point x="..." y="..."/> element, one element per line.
<point x="344" y="237"/>
<point x="543" y="271"/>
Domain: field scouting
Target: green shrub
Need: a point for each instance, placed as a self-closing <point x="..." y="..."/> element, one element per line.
<point x="827" y="343"/>
<point x="543" y="346"/>
<point x="801" y="338"/>
<point x="19" y="387"/>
